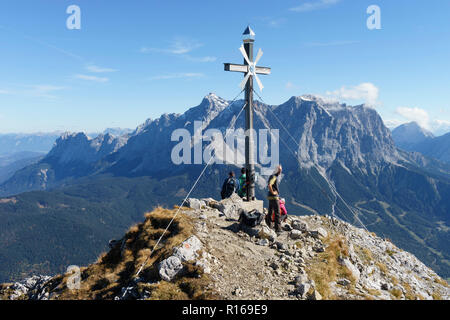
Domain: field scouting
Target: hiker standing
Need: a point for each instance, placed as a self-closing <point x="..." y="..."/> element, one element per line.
<point x="274" y="200"/>
<point x="229" y="186"/>
<point x="243" y="183"/>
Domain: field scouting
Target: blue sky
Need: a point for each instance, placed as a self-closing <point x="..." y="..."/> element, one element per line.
<point x="134" y="60"/>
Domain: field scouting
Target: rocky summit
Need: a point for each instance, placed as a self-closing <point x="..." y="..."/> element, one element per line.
<point x="337" y="160"/>
<point x="207" y="254"/>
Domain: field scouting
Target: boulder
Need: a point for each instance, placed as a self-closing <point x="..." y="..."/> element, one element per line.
<point x="318" y="233"/>
<point x="281" y="246"/>
<point x="34" y="288"/>
<point x="187" y="251"/>
<point x="266" y="233"/>
<point x="170" y="268"/>
<point x="319" y="248"/>
<point x="204" y="264"/>
<point x="208" y="201"/>
<point x="303" y="278"/>
<point x="386" y="286"/>
<point x="274" y="266"/>
<point x="295" y="234"/>
<point x="303" y="289"/>
<point x="315" y="295"/>
<point x="300" y="225"/>
<point x="343" y="282"/>
<point x="230" y="207"/>
<point x="194" y="203"/>
<point x="350" y="266"/>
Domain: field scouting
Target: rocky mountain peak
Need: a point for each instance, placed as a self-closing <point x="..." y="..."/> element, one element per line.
<point x="314" y="258"/>
<point x="78" y="147"/>
<point x="410" y="134"/>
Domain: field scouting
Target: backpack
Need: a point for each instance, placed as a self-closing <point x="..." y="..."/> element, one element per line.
<point x="250" y="219"/>
<point x="228" y="188"/>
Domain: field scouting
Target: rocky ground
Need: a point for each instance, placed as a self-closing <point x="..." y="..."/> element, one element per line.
<point x="315" y="257"/>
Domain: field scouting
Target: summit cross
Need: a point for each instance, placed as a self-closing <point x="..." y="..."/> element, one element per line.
<point x="251" y="70"/>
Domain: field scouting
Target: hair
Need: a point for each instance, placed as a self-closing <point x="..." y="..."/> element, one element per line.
<point x="243" y="170"/>
<point x="231" y="173"/>
<point x="278" y="169"/>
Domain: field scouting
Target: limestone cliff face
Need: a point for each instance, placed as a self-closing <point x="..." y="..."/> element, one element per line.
<point x="207" y="253"/>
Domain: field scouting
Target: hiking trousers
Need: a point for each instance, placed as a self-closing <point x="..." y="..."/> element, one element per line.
<point x="274" y="208"/>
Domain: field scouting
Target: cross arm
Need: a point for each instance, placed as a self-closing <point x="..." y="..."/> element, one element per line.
<point x="263" y="70"/>
<point x="244" y="68"/>
<point x="235" y="67"/>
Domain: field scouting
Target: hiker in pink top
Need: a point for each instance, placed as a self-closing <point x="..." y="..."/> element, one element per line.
<point x="283" y="210"/>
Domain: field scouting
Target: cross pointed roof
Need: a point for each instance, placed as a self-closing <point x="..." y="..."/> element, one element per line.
<point x="249" y="32"/>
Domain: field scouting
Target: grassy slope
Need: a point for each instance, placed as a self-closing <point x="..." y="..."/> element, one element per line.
<point x="113" y="270"/>
<point x="44" y="232"/>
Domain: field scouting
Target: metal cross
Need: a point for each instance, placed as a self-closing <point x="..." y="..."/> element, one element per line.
<point x="251" y="71"/>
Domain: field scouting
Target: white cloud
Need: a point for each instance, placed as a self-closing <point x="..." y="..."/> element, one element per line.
<point x="440" y="126"/>
<point x="177" y="46"/>
<point x="393" y="123"/>
<point x="181" y="47"/>
<point x="91" y="78"/>
<point x="97" y="69"/>
<point x="291" y="86"/>
<point x="201" y="59"/>
<point x="274" y="23"/>
<point x="442" y="123"/>
<point x="367" y="92"/>
<point x="415" y="114"/>
<point x="178" y="76"/>
<point x="44" y="90"/>
<point x="330" y="44"/>
<point x="315" y="5"/>
<point x="421" y="116"/>
<point x="40" y="90"/>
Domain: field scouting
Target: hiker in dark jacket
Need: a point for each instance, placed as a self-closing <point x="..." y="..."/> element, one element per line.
<point x="274" y="200"/>
<point x="229" y="186"/>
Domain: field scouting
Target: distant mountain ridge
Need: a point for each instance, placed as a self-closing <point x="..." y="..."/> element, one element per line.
<point x="20" y="142"/>
<point x="412" y="137"/>
<point x="347" y="164"/>
<point x="11" y="163"/>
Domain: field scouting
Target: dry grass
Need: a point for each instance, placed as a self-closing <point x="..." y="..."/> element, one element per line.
<point x="436" y="296"/>
<point x="441" y="282"/>
<point x="396" y="293"/>
<point x="409" y="294"/>
<point x="365" y="254"/>
<point x="374" y="292"/>
<point x="326" y="267"/>
<point x="113" y="270"/>
<point x="382" y="267"/>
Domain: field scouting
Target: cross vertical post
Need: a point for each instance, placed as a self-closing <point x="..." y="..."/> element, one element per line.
<point x="251" y="72"/>
<point x="249" y="139"/>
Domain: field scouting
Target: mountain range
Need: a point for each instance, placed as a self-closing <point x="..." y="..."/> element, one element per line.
<point x="338" y="160"/>
<point x="412" y="137"/>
